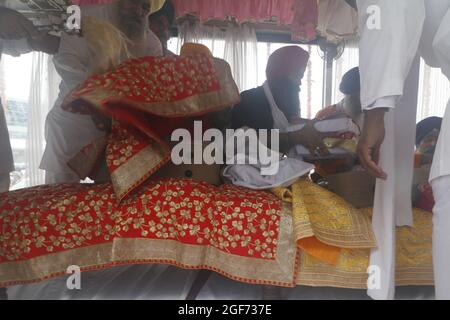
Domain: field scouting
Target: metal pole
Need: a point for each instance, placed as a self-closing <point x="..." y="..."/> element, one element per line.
<point x="330" y="53"/>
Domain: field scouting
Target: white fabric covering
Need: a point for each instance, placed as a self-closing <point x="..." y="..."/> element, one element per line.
<point x="441" y="233"/>
<point x="409" y="27"/>
<point x="339" y="125"/>
<point x="166" y="282"/>
<point x="249" y="176"/>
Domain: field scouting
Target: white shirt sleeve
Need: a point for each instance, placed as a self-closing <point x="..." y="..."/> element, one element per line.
<point x="390" y="35"/>
<point x="71" y="62"/>
<point x="384" y="102"/>
<point x="15" y="47"/>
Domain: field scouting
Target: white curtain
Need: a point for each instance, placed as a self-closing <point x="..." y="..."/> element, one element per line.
<point x="43" y="93"/>
<point x="348" y="60"/>
<point x="235" y="44"/>
<point x="434" y="92"/>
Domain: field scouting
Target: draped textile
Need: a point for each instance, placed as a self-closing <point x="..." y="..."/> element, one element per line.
<point x="245" y="235"/>
<point x="155" y="4"/>
<point x="240" y="233"/>
<point x="336" y="20"/>
<point x="299" y="15"/>
<point x="324" y="223"/>
<point x="414" y="265"/>
<point x="147" y="98"/>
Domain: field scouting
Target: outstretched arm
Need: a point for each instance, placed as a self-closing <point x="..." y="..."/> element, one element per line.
<point x="16" y="27"/>
<point x="46" y="43"/>
<point x="390" y="34"/>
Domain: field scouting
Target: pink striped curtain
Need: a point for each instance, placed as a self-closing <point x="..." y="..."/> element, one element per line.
<point x="300" y="15"/>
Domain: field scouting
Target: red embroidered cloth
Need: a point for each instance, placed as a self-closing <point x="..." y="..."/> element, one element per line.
<point x="147" y="98"/>
<point x="59" y="225"/>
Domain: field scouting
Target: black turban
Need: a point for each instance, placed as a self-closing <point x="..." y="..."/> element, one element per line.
<point x="350" y="83"/>
<point x="425" y="126"/>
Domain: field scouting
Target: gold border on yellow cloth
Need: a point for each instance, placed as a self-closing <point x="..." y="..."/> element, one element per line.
<point x="413" y="260"/>
<point x="280" y="272"/>
<point x="321" y="213"/>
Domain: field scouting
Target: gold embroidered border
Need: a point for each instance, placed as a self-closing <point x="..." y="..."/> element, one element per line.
<point x="415" y="276"/>
<point x="323" y="275"/>
<point x="199" y="104"/>
<point x="363" y="238"/>
<point x="137" y="169"/>
<point x="280" y="272"/>
<point x="360" y="236"/>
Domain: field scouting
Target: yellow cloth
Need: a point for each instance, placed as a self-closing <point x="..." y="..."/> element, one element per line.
<point x="193" y="48"/>
<point x="156" y="5"/>
<point x="324" y="223"/>
<point x="413" y="261"/>
<point x="335" y="240"/>
<point x="347" y="144"/>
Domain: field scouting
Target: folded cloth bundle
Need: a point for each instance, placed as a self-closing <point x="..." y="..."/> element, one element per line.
<point x="289" y="169"/>
<point x="337" y="147"/>
<point x="249" y="176"/>
<point x="247" y="170"/>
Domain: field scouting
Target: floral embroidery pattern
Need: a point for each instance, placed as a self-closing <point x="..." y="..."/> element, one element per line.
<point x="48" y="219"/>
<point x="158" y="79"/>
<point x="123" y="143"/>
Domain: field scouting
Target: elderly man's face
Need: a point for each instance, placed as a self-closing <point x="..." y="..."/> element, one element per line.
<point x="133" y="16"/>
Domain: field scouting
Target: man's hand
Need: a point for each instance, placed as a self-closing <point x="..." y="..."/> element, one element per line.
<point x="14" y="26"/>
<point x="370" y="143"/>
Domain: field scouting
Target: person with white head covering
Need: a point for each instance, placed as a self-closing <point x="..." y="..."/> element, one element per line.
<point x="66" y="133"/>
<point x="393" y="33"/>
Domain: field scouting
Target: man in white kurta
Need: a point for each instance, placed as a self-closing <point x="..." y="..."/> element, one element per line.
<point x="393" y="33"/>
<point x="67" y="133"/>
